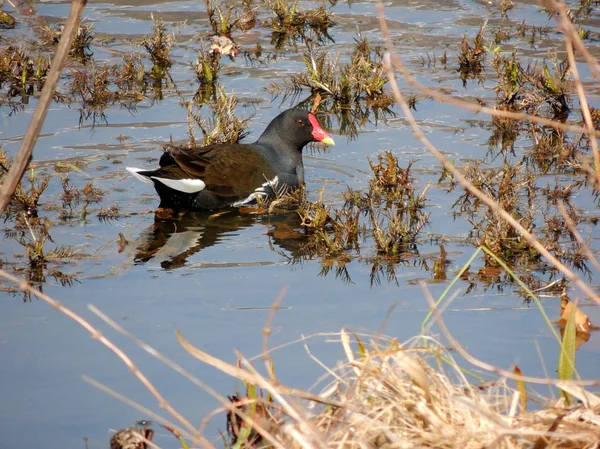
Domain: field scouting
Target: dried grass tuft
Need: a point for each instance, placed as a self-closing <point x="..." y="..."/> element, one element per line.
<point x="418" y="396"/>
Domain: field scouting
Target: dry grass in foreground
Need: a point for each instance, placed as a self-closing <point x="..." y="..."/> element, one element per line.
<point x="384" y="395"/>
<point x="387" y="395"/>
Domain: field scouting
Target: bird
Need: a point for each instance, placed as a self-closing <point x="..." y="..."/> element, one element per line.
<point x="236" y="175"/>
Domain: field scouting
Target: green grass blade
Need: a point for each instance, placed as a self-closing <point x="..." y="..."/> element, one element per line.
<point x="566" y="360"/>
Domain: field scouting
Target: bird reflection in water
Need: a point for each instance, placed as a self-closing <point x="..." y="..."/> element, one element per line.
<point x="170" y="242"/>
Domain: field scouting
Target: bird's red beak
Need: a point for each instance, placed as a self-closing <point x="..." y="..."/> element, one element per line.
<point x="318" y="133"/>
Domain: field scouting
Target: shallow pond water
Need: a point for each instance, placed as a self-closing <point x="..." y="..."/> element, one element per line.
<point x="215" y="278"/>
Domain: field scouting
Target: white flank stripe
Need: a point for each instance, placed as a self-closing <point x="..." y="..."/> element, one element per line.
<point x="272" y="183"/>
<point x="258" y="193"/>
<point x="134" y="171"/>
<point x="183" y="185"/>
<point x="250" y="199"/>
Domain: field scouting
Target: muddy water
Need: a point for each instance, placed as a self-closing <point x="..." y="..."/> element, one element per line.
<point x="215" y="279"/>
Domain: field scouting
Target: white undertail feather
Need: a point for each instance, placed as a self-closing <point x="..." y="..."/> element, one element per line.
<point x="182" y="185"/>
<point x="134" y="171"/>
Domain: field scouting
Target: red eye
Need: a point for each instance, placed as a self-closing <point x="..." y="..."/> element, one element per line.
<point x="300" y="122"/>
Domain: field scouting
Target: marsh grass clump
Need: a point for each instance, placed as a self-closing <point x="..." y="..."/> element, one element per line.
<point x="33" y="233"/>
<point x="222" y="124"/>
<point x="353" y="92"/>
<point x="21" y="71"/>
<point x="73" y="196"/>
<point x="362" y="78"/>
<point x="528" y="89"/>
<point x="92" y="87"/>
<point x="391" y="213"/>
<point x="159" y="48"/>
<point x="23" y="199"/>
<point x="394" y="207"/>
<point x="513" y="187"/>
<point x="291" y="23"/>
<point x="332" y="232"/>
<point x="332" y="237"/>
<point x="221" y="21"/>
<point x="7" y="21"/>
<point x="99" y="87"/>
<point x="108" y="213"/>
<point x="207" y="67"/>
<point x="471" y="58"/>
<point x="130" y="77"/>
<point x="80" y="47"/>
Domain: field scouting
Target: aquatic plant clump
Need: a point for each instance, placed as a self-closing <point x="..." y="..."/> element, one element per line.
<point x="362" y="78"/>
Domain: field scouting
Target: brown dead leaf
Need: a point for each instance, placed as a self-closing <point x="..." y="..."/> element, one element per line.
<point x="521" y="388"/>
<point x="316" y="103"/>
<point x="490" y="271"/>
<point x="582" y="322"/>
<point x="224" y="46"/>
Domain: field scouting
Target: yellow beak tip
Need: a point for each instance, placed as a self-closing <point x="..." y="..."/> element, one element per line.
<point x="328" y="141"/>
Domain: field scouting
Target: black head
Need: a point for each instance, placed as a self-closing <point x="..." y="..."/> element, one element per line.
<point x="295" y="127"/>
